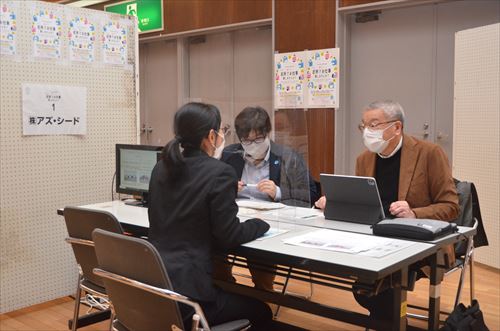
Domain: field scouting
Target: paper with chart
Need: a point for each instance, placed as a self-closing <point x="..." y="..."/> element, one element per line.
<point x="348" y="242"/>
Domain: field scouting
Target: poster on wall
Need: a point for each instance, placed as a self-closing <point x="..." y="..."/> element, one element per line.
<point x="322" y="78"/>
<point x="81" y="38"/>
<point x="114" y="42"/>
<point x="8" y="27"/>
<point x="54" y="109"/>
<point x="46" y="27"/>
<point x="289" y="76"/>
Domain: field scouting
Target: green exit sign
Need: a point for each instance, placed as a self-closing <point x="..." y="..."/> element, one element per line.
<point x="149" y="13"/>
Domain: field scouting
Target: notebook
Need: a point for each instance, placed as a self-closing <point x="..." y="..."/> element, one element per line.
<point x="352" y="199"/>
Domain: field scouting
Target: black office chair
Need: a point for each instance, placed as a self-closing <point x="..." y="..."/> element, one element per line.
<point x="80" y="223"/>
<point x="140" y="290"/>
<point x="470" y="216"/>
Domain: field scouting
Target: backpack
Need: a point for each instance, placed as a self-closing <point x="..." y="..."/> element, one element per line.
<point x="465" y="319"/>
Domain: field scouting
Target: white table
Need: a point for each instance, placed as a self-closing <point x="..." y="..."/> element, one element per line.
<point x="343" y="269"/>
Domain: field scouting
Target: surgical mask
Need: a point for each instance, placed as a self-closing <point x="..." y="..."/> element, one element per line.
<point x="374" y="139"/>
<point x="218" y="150"/>
<point x="257" y="151"/>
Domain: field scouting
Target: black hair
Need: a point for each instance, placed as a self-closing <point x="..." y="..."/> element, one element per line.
<point x="192" y="123"/>
<point x="252" y="118"/>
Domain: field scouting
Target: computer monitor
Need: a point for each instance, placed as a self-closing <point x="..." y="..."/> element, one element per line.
<point x="134" y="164"/>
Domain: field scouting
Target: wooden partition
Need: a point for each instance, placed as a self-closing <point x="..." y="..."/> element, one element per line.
<point x="301" y="25"/>
<point x="187" y="15"/>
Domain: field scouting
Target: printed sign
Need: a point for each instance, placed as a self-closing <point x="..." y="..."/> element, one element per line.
<point x="114" y="42"/>
<point x="52" y="109"/>
<point x="289" y="80"/>
<point x="322" y="78"/>
<point x="8" y="27"/>
<point x="81" y="39"/>
<point x="46" y="33"/>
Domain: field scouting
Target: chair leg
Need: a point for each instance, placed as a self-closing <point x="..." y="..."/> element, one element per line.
<point x="460" y="284"/>
<point x="471" y="269"/>
<point x="283" y="291"/>
<point x="111" y="318"/>
<point x="78" y="294"/>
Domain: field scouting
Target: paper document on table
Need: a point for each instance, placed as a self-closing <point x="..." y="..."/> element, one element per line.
<point x="272" y="232"/>
<point x="242" y="211"/>
<point x="259" y="205"/>
<point x="294" y="213"/>
<point x="348" y="242"/>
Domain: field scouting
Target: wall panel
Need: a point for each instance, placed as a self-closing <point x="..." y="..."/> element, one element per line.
<point x="39" y="174"/>
<point x="301" y="25"/>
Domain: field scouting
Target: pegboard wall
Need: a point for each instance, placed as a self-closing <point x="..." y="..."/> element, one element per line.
<point x="476" y="134"/>
<point x="39" y="174"/>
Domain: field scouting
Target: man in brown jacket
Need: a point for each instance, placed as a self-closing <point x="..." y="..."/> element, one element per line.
<point x="413" y="177"/>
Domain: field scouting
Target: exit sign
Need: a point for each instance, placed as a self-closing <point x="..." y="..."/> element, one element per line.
<point x="149" y="13"/>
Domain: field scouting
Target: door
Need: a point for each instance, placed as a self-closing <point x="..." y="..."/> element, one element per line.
<point x="158" y="91"/>
<point x="407" y="55"/>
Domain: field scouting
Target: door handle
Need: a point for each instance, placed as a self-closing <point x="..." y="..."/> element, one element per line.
<point x="442" y="136"/>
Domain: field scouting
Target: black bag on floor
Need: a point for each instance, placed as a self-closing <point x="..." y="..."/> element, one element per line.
<point x="465" y="319"/>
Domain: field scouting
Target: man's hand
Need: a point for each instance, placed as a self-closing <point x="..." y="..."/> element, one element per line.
<point x="401" y="209"/>
<point x="321" y="203"/>
<point x="267" y="186"/>
<point x="241" y="185"/>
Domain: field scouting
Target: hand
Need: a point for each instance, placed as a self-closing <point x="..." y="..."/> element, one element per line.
<point x="241" y="185"/>
<point x="267" y="186"/>
<point x="401" y="209"/>
<point x="321" y="203"/>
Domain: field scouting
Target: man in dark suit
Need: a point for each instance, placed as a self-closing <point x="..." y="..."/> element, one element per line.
<point x="267" y="171"/>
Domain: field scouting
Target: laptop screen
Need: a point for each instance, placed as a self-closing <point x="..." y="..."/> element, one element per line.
<point x="352" y="199"/>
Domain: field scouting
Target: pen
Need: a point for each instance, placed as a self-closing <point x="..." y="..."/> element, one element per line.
<point x="250" y="185"/>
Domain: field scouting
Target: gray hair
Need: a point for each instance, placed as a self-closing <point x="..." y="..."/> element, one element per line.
<point x="392" y="109"/>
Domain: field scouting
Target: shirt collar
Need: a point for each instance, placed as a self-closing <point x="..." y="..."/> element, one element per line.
<point x="398" y="147"/>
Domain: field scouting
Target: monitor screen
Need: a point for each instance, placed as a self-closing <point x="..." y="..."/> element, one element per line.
<point x="134" y="164"/>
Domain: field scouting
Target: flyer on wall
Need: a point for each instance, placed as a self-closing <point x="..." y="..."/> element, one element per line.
<point x="323" y="78"/>
<point x="81" y="38"/>
<point x="289" y="80"/>
<point x="46" y="32"/>
<point x="8" y="27"/>
<point x="114" y="42"/>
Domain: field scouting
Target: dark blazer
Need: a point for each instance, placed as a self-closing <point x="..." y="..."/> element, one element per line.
<point x="287" y="170"/>
<point x="194" y="216"/>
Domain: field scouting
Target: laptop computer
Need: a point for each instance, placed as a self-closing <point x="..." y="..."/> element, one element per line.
<point x="352" y="199"/>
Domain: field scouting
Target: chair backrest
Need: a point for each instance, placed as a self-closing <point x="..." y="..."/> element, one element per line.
<point x="80" y="223"/>
<point x="139" y="260"/>
<point x="469" y="213"/>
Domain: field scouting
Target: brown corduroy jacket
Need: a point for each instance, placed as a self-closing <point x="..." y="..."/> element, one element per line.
<point x="425" y="179"/>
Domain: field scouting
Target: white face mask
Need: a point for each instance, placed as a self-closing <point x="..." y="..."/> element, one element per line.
<point x="218" y="150"/>
<point x="374" y="139"/>
<point x="257" y="151"/>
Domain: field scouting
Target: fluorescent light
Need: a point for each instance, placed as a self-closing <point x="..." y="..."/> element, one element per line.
<point x="85" y="3"/>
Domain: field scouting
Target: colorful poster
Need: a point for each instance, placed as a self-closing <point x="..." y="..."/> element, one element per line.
<point x="53" y="109"/>
<point x="8" y="27"/>
<point x="289" y="80"/>
<point x="81" y="39"/>
<point x="46" y="33"/>
<point x="114" y="42"/>
<point x="323" y="78"/>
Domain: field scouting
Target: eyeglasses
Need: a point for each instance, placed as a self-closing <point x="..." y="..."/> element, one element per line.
<point x="374" y="125"/>
<point x="257" y="140"/>
<point x="226" y="130"/>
